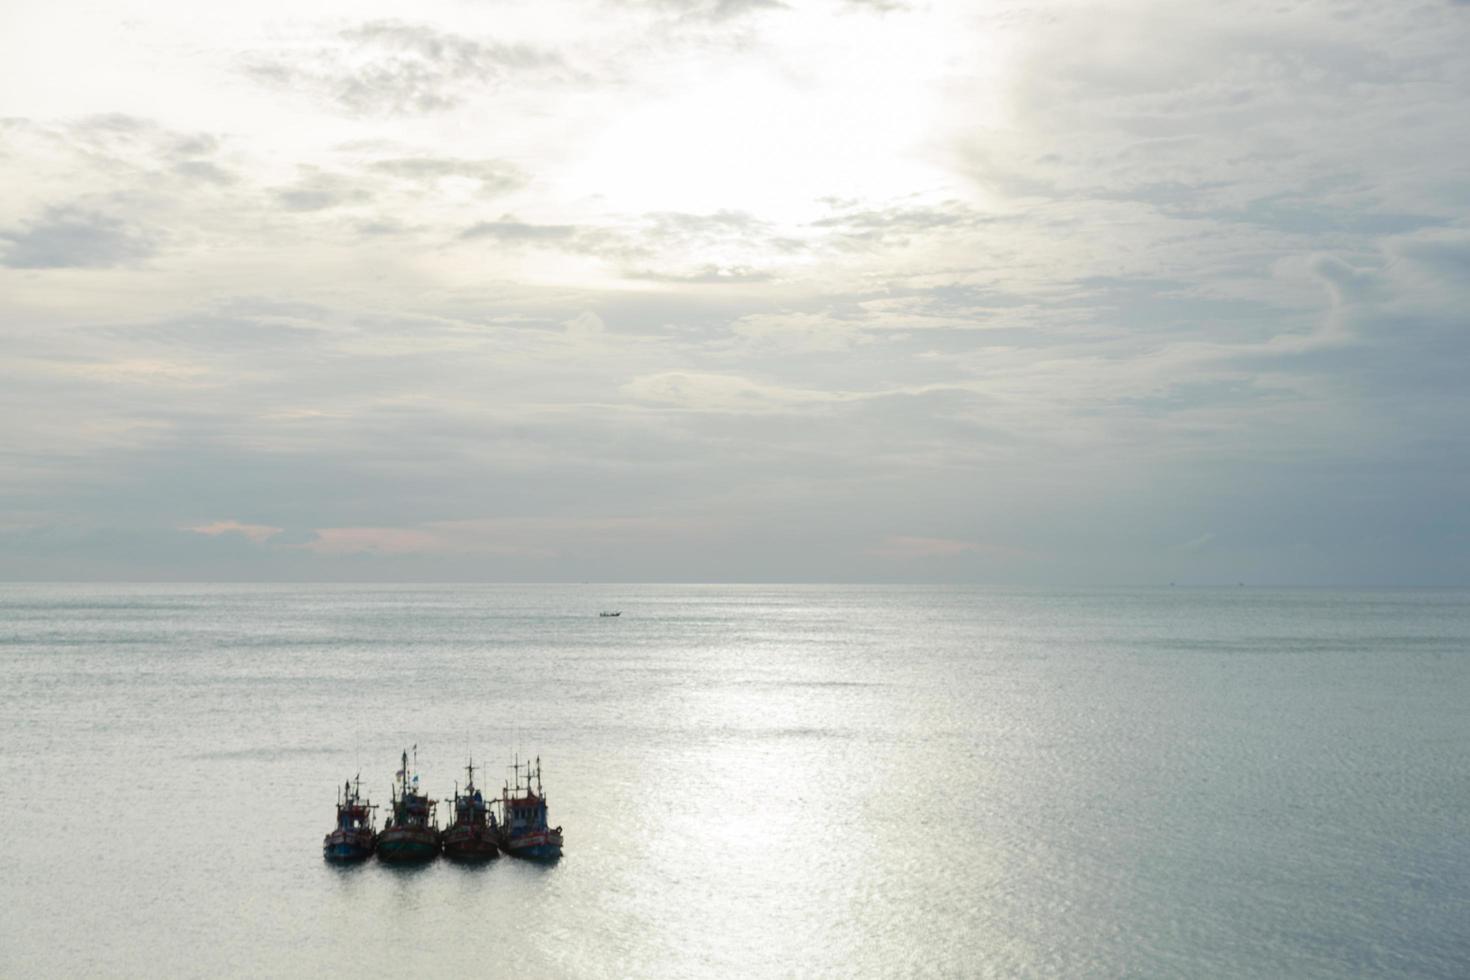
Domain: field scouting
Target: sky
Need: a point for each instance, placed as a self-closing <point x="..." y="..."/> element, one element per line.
<point x="1014" y="293"/>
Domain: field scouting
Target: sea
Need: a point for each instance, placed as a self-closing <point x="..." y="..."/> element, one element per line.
<point x="752" y="781"/>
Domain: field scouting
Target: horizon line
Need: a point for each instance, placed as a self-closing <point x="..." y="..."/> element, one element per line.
<point x="733" y="583"/>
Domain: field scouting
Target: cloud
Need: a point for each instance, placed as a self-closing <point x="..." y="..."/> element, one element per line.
<point x="1072" y="263"/>
<point x="533" y="538"/>
<point x="1344" y="281"/>
<point x="716" y="230"/>
<point x="75" y="237"/>
<point x="704" y="392"/>
<point x="493" y="176"/>
<point x="394" y="68"/>
<point x="255" y="532"/>
<point x="1234" y="115"/>
<point x="905" y="548"/>
<point x="509" y="229"/>
<point x="120" y="142"/>
<point x="375" y="540"/>
<point x="704" y="275"/>
<point x="116" y="189"/>
<point x="717" y="10"/>
<point x="204" y="170"/>
<point x="665" y="247"/>
<point x="317" y="191"/>
<point x="603" y="242"/>
<point x="802" y="331"/>
<point x="1441" y="257"/>
<point x="1198" y="543"/>
<point x="585" y="326"/>
<point x="899" y="224"/>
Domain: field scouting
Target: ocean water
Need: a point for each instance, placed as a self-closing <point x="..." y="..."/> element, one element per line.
<point x="752" y="781"/>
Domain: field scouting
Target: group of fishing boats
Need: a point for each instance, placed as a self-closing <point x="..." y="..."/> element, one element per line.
<point x="477" y="832"/>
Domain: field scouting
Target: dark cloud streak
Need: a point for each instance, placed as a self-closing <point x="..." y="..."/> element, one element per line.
<point x="75" y="237"/>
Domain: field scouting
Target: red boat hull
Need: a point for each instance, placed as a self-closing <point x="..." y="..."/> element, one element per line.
<point x="470" y="843"/>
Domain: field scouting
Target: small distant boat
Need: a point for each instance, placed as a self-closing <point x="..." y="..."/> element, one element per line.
<point x="409" y="835"/>
<point x="472" y="835"/>
<point x="354" y="836"/>
<point x="523" y="828"/>
<point x="614" y="612"/>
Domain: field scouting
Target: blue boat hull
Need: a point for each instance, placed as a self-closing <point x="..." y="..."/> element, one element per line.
<point x="343" y="847"/>
<point x="346" y="853"/>
<point x="534" y="847"/>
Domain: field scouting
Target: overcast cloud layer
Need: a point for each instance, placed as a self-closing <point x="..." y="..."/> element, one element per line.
<point x="1035" y="292"/>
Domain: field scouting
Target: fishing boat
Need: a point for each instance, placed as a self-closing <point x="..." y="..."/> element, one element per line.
<point x="472" y="835"/>
<point x="523" y="829"/>
<point x="409" y="835"/>
<point x="353" y="837"/>
<point x="610" y="613"/>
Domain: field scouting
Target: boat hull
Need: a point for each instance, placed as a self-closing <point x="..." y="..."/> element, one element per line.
<point x="538" y="846"/>
<point x="470" y="843"/>
<point x="346" y="846"/>
<point x="408" y="845"/>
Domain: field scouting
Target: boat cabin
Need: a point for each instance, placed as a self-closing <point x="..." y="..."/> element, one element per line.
<point x="525" y="813"/>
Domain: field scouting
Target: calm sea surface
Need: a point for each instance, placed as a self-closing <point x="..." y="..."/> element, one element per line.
<point x="753" y="781"/>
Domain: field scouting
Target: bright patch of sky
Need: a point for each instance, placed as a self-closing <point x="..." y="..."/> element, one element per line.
<point x="1049" y="292"/>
